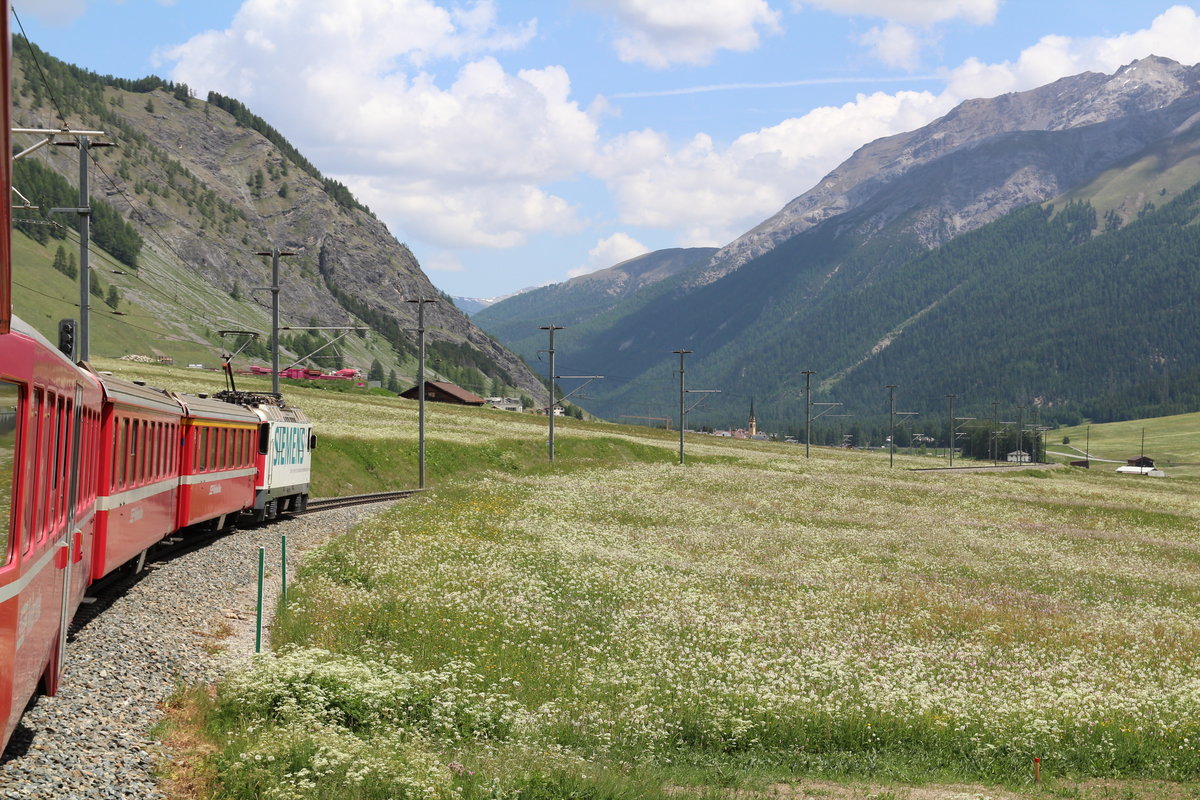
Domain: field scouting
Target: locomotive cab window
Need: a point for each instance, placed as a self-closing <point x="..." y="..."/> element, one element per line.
<point x="264" y="438"/>
<point x="9" y="396"/>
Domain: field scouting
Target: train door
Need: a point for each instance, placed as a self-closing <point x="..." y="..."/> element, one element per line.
<point x="68" y="550"/>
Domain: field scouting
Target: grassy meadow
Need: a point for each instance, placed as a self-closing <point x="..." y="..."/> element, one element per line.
<point x="754" y="624"/>
<point x="1173" y="442"/>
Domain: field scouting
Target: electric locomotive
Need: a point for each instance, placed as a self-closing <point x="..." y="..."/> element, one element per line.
<point x="285" y="444"/>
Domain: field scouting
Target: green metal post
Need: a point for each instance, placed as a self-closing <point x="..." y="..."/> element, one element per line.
<point x="283" y="567"/>
<point x="262" y="564"/>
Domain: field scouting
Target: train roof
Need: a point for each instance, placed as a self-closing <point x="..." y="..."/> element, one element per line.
<point x="269" y="406"/>
<point x="22" y="327"/>
<point x="208" y="408"/>
<point x="269" y="413"/>
<point x="136" y="393"/>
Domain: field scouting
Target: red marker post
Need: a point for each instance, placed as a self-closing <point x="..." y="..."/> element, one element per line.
<point x="1037" y="770"/>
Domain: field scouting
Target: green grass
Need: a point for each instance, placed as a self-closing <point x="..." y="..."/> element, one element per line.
<point x="168" y="309"/>
<point x="614" y="625"/>
<point x="1173" y="442"/>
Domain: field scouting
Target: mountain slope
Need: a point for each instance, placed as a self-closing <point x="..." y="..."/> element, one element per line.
<point x="927" y="260"/>
<point x="1137" y="90"/>
<point x="515" y="320"/>
<point x="207" y="185"/>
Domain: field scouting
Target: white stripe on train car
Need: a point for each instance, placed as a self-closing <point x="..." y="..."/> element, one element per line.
<point x="209" y="477"/>
<point x="16" y="587"/>
<point x="112" y="501"/>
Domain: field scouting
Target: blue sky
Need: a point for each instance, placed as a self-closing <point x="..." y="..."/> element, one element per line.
<point x="512" y="144"/>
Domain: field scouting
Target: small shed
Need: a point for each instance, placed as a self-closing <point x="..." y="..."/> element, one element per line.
<point x="445" y="392"/>
<point x="1018" y="457"/>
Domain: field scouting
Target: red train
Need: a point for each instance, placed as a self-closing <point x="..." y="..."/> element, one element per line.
<point x="95" y="470"/>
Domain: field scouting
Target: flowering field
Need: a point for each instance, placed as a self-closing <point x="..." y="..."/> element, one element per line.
<point x="639" y="629"/>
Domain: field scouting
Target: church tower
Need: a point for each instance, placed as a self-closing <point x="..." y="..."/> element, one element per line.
<point x="752" y="425"/>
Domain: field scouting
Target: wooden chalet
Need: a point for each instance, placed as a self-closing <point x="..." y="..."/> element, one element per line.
<point x="445" y="392"/>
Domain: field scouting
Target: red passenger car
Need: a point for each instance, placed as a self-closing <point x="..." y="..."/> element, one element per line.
<point x="49" y="426"/>
<point x="139" y="472"/>
<point x="216" y="474"/>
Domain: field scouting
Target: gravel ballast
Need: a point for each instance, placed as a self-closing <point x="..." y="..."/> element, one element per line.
<point x="93" y="739"/>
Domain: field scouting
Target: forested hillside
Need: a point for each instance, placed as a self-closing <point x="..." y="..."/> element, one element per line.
<point x="1042" y="308"/>
<point x="922" y="263"/>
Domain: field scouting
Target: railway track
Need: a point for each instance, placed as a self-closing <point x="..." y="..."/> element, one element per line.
<point x="330" y="503"/>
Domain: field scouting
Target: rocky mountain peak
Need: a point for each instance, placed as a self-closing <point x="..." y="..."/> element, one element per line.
<point x="1142" y="88"/>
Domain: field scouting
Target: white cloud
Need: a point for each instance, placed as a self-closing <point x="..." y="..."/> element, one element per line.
<point x="711" y="194"/>
<point x="483" y="216"/>
<point x="458" y="164"/>
<point x="1173" y="34"/>
<point x="659" y="33"/>
<point x="441" y="261"/>
<point x="915" y="12"/>
<point x="894" y="45"/>
<point x="609" y="252"/>
<point x="714" y="194"/>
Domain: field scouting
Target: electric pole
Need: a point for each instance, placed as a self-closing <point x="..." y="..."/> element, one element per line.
<point x="84" y="142"/>
<point x="420" y="301"/>
<point x="891" y="387"/>
<point x="1021" y="433"/>
<point x="995" y="428"/>
<point x="274" y="253"/>
<point x="682" y="409"/>
<point x="807" y="373"/>
<point x="550" y="408"/>
<point x="951" y="397"/>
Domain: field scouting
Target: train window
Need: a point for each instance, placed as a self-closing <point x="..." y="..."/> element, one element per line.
<point x="222" y="448"/>
<point x="54" y="463"/>
<point x="31" y="452"/>
<point x="264" y="438"/>
<point x="155" y="449"/>
<point x="122" y="453"/>
<point x="113" y="471"/>
<point x="85" y="448"/>
<point x="9" y="414"/>
<point x="66" y="430"/>
<point x="135" y="450"/>
<point x="143" y="460"/>
<point x="44" y="513"/>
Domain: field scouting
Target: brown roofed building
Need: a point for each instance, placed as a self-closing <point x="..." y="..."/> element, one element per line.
<point x="445" y="392"/>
